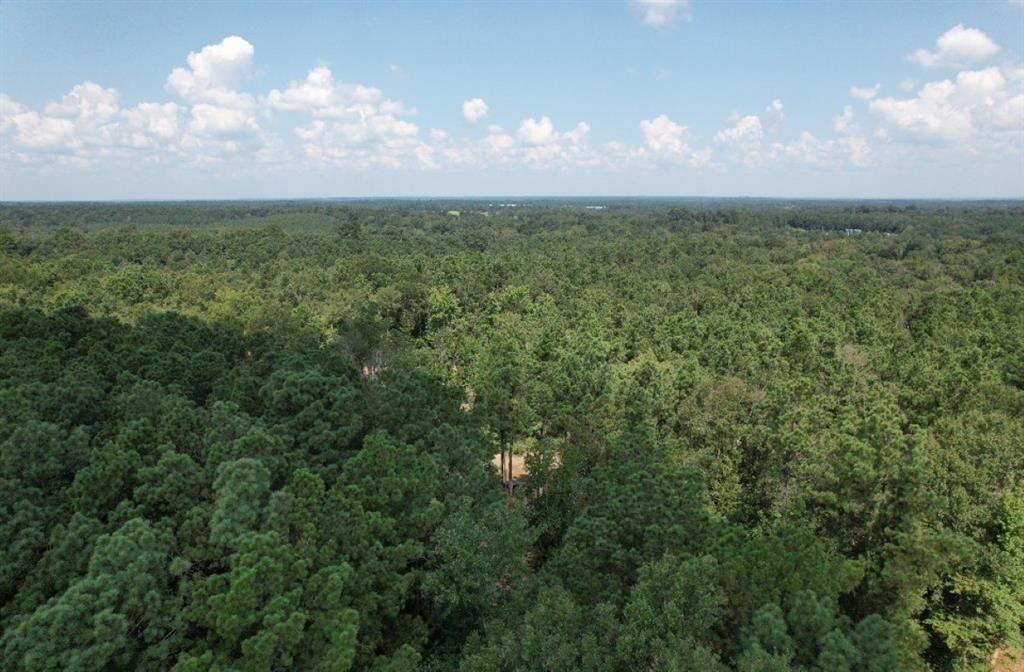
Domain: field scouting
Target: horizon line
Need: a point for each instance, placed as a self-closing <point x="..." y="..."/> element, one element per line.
<point x="521" y="197"/>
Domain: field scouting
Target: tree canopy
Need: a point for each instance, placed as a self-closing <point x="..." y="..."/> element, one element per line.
<point x="755" y="436"/>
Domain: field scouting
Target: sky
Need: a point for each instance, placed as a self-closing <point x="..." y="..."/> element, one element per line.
<point x="212" y="100"/>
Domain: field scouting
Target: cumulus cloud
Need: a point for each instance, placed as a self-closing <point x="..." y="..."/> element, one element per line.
<point x="663" y="135"/>
<point x="746" y="132"/>
<point x="89" y="123"/>
<point x="534" y="132"/>
<point x="85" y="125"/>
<point x="359" y="145"/>
<point x="213" y="120"/>
<point x="844" y="123"/>
<point x="329" y="123"/>
<point x="850" y="146"/>
<point x="537" y="143"/>
<point x="160" y="121"/>
<point x="352" y="124"/>
<point x="28" y="129"/>
<point x="324" y="97"/>
<point x="981" y="111"/>
<point x="958" y="47"/>
<point x="742" y="141"/>
<point x="666" y="139"/>
<point x="87" y="100"/>
<point x="346" y="125"/>
<point x="314" y="94"/>
<point x="474" y="110"/>
<point x="660" y="13"/>
<point x="865" y="92"/>
<point x="214" y="73"/>
<point x="824" y="153"/>
<point x="220" y="111"/>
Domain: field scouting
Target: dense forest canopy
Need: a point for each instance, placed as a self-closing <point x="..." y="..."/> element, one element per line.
<point x="758" y="435"/>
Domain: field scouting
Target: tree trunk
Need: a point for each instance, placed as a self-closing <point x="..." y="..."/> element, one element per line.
<point x="508" y="483"/>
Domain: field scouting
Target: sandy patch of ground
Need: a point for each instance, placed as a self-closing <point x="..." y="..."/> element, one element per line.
<point x="1008" y="660"/>
<point x="519" y="469"/>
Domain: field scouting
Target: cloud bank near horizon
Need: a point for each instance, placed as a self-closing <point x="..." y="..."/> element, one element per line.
<point x="967" y="105"/>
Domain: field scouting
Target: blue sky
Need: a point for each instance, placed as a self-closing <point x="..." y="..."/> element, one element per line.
<point x="224" y="100"/>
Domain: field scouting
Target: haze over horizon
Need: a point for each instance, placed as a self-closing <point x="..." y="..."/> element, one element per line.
<point x="666" y="98"/>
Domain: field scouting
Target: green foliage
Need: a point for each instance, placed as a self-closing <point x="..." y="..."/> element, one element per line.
<point x="122" y="613"/>
<point x="673" y="608"/>
<point x="241" y="492"/>
<point x="259" y="436"/>
<point x="813" y="636"/>
<point x="480" y="551"/>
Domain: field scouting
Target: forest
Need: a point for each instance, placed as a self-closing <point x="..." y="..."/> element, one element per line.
<point x="763" y="436"/>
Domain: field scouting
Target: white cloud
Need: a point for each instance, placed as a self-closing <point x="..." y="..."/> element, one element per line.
<point x="31" y="130"/>
<point x="980" y="111"/>
<point x="152" y="119"/>
<point x="743" y="144"/>
<point x="213" y="120"/>
<point x="324" y="97"/>
<point x="352" y="125"/>
<point x="851" y="145"/>
<point x="844" y="123"/>
<point x="827" y="153"/>
<point x="958" y="47"/>
<point x="88" y="124"/>
<point x="746" y="133"/>
<point x="535" y="132"/>
<point x="312" y="94"/>
<point x="865" y="92"/>
<point x="663" y="135"/>
<point x="85" y="125"/>
<point x="220" y="111"/>
<point x="742" y="141"/>
<point x="9" y="107"/>
<point x="660" y="13"/>
<point x="667" y="139"/>
<point x="362" y="143"/>
<point x="215" y="73"/>
<point x="536" y="144"/>
<point x="474" y="110"/>
<point x="86" y="101"/>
